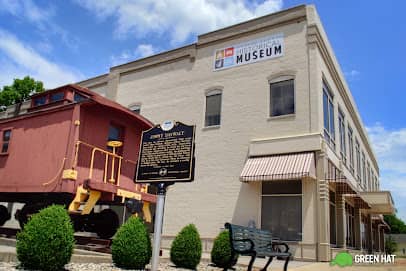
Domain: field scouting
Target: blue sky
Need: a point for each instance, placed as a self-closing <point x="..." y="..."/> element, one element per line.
<point x="60" y="42"/>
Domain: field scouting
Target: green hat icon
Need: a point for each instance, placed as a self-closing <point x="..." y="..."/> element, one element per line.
<point x="342" y="259"/>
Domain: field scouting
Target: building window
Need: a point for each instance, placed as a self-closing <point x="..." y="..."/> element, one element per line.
<point x="213" y="108"/>
<point x="358" y="160"/>
<point x="364" y="175"/>
<point x="363" y="232"/>
<point x="349" y="216"/>
<point x="341" y="131"/>
<point x="368" y="176"/>
<point x="5" y="144"/>
<point x="282" y="98"/>
<point x="282" y="209"/>
<point x="333" y="238"/>
<point x="351" y="148"/>
<point x="54" y="97"/>
<point x="377" y="183"/>
<point x="328" y="112"/>
<point x="136" y="108"/>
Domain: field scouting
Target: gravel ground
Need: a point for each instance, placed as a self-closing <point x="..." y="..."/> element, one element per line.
<point x="110" y="267"/>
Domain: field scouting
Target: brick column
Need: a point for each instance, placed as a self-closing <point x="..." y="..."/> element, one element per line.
<point x="340" y="221"/>
<point x="357" y="228"/>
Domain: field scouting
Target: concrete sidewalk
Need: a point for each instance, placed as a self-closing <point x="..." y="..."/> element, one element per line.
<point x="8" y="254"/>
<point x="277" y="265"/>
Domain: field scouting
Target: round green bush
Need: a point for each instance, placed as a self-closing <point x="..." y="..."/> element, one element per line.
<point x="47" y="241"/>
<point x="221" y="253"/>
<point x="186" y="249"/>
<point x="131" y="247"/>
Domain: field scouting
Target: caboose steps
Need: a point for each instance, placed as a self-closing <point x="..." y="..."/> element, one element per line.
<point x="86" y="198"/>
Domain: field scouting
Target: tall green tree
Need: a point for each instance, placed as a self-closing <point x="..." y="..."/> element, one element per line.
<point x="395" y="223"/>
<point x="19" y="91"/>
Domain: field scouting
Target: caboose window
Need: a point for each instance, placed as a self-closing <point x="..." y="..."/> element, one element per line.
<point x="78" y="97"/>
<point x="40" y="100"/>
<point x="56" y="97"/>
<point x="5" y="141"/>
<point x="114" y="133"/>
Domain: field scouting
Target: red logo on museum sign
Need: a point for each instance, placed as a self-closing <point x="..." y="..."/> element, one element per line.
<point x="229" y="51"/>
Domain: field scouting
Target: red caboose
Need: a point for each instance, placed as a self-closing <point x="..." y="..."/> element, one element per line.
<point x="72" y="147"/>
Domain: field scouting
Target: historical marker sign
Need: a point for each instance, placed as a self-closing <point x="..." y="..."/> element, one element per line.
<point x="166" y="154"/>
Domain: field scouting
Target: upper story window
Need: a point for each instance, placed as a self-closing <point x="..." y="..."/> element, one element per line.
<point x="58" y="96"/>
<point x="282" y="98"/>
<point x="364" y="175"/>
<point x="368" y="177"/>
<point x="328" y="114"/>
<point x="358" y="160"/>
<point x="351" y="148"/>
<point x="213" y="108"/>
<point x="341" y="131"/>
<point x="376" y="183"/>
<point x="6" y="137"/>
<point x="136" y="108"/>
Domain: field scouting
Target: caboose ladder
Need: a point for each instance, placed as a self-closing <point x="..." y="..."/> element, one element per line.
<point x="86" y="198"/>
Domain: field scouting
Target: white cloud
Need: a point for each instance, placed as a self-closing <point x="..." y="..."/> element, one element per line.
<point x="142" y="50"/>
<point x="352" y="74"/>
<point x="39" y="16"/>
<point x="178" y="18"/>
<point x="390" y="147"/>
<point x="26" y="9"/>
<point x="21" y="59"/>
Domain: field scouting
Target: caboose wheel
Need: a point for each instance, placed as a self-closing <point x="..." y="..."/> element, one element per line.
<point x="106" y="223"/>
<point x="29" y="209"/>
<point x="4" y="215"/>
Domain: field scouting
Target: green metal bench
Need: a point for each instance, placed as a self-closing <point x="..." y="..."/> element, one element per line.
<point x="256" y="243"/>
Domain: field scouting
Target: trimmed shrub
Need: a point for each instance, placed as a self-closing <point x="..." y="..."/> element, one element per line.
<point x="390" y="245"/>
<point x="131" y="247"/>
<point x="186" y="249"/>
<point x="221" y="253"/>
<point x="47" y="241"/>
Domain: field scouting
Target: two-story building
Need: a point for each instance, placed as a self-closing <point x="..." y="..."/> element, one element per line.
<point x="280" y="144"/>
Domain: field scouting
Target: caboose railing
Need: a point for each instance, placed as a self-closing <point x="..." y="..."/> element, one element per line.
<point x="108" y="156"/>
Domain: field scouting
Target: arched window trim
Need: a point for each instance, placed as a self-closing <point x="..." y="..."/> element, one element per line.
<point x="132" y="106"/>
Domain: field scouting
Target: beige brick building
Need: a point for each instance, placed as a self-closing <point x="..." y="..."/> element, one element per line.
<point x="279" y="143"/>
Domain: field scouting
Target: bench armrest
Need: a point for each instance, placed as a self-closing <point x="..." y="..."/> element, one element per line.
<point x="277" y="243"/>
<point x="246" y="248"/>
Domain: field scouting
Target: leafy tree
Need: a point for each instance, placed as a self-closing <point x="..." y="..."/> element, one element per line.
<point x="396" y="224"/>
<point x="19" y="91"/>
<point x="390" y="245"/>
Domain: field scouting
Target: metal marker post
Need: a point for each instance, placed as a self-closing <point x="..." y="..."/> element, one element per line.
<point x="159" y="211"/>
